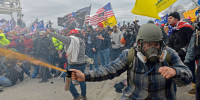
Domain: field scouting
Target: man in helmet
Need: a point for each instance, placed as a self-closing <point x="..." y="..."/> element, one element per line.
<point x="150" y="76"/>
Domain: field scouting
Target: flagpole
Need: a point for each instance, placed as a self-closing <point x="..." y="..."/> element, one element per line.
<point x="196" y="3"/>
<point x="84" y="20"/>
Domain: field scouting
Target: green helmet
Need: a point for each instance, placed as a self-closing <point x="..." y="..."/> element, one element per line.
<point x="149" y="32"/>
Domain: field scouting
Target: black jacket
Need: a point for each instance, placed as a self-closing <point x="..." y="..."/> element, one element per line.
<point x="130" y="39"/>
<point x="13" y="75"/>
<point x="92" y="36"/>
<point x="42" y="48"/>
<point x="180" y="39"/>
<point x="102" y="44"/>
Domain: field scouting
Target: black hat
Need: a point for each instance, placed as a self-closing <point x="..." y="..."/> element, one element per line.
<point x="175" y="15"/>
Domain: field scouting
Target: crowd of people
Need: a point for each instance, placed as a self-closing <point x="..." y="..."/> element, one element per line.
<point x="156" y="59"/>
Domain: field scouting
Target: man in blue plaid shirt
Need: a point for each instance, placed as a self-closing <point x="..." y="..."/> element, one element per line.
<point x="151" y="76"/>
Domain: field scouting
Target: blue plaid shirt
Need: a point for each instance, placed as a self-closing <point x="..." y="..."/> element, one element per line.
<point x="146" y="86"/>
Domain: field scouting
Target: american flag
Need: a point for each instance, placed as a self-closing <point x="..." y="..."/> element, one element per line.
<point x="102" y="14"/>
<point x="71" y="16"/>
<point x="87" y="18"/>
<point x="94" y="20"/>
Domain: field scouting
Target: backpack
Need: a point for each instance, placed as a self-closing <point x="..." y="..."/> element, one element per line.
<point x="130" y="61"/>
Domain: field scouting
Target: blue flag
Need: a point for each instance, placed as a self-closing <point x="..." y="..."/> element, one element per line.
<point x="164" y="19"/>
<point x="32" y="28"/>
<point x="40" y="25"/>
<point x="157" y="21"/>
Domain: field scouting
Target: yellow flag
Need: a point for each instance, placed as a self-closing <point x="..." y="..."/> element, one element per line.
<point x="146" y="8"/>
<point x="110" y="22"/>
<point x="151" y="8"/>
<point x="190" y="13"/>
<point x="163" y="4"/>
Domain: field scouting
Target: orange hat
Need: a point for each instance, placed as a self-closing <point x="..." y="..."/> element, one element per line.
<point x="100" y="24"/>
<point x="157" y="24"/>
<point x="162" y="25"/>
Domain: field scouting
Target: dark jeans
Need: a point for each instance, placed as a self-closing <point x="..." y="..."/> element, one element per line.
<point x="45" y="73"/>
<point x="90" y="53"/>
<point x="115" y="53"/>
<point x="198" y="81"/>
<point x="35" y="71"/>
<point x="104" y="56"/>
<point x="26" y="68"/>
<point x="73" y="90"/>
<point x="191" y="66"/>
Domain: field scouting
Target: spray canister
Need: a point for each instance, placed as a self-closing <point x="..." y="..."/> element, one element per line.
<point x="68" y="80"/>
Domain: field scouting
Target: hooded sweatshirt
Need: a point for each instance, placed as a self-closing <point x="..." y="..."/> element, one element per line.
<point x="116" y="37"/>
<point x="67" y="42"/>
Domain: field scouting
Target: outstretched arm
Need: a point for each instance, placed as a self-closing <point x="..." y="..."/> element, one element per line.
<point x="110" y="71"/>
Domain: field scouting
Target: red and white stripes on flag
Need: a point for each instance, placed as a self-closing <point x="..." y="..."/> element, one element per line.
<point x="100" y="10"/>
<point x="101" y="15"/>
<point x="94" y="20"/>
<point x="109" y="13"/>
<point x="87" y="18"/>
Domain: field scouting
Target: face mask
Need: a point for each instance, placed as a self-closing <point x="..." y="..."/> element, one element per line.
<point x="152" y="54"/>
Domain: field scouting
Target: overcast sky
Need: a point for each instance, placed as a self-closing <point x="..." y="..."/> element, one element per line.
<point x="51" y="9"/>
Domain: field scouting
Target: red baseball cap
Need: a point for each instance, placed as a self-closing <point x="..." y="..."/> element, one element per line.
<point x="73" y="31"/>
